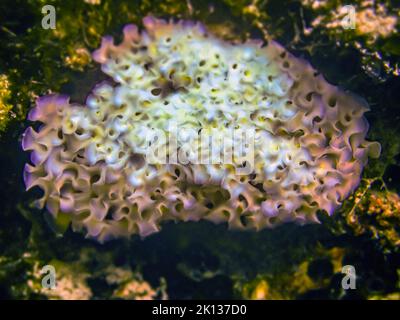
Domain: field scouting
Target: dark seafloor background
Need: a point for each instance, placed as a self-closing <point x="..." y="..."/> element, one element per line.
<point x="201" y="260"/>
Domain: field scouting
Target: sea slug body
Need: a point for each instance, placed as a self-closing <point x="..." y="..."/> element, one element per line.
<point x="90" y="160"/>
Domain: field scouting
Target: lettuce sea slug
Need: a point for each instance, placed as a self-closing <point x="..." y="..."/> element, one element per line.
<point x="92" y="164"/>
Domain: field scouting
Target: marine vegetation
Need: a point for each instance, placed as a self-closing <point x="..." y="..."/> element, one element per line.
<point x="318" y="199"/>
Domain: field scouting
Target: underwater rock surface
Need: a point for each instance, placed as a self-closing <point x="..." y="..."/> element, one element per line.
<point x="90" y="161"/>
